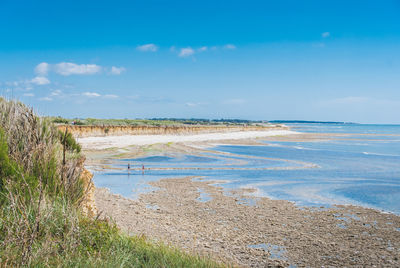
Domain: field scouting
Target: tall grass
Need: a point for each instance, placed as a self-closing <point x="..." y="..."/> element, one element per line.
<point x="41" y="193"/>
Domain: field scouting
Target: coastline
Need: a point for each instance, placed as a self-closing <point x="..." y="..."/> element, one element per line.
<point x="236" y="230"/>
<point x="129" y="140"/>
<point x="233" y="229"/>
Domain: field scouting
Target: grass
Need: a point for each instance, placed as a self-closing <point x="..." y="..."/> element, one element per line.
<point x="151" y="122"/>
<point x="41" y="195"/>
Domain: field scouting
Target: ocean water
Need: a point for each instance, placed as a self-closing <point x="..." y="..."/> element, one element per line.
<point x="361" y="168"/>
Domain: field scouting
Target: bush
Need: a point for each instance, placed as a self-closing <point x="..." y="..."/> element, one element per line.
<point x="60" y="120"/>
<point x="41" y="222"/>
<point x="69" y="141"/>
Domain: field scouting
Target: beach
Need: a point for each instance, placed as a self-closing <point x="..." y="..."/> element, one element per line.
<point x="232" y="230"/>
<point x="235" y="225"/>
<point x="129" y="140"/>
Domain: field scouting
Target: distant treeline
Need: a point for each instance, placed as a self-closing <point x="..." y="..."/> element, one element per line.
<point x="178" y="121"/>
<point x="209" y="121"/>
<point x="153" y="121"/>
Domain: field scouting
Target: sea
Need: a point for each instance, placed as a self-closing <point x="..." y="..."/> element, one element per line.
<point x="359" y="165"/>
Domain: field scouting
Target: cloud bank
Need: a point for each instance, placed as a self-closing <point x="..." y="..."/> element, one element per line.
<point x="40" y="80"/>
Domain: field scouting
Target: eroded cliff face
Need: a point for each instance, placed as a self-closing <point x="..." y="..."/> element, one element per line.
<point x="88" y="204"/>
<point x="100" y="131"/>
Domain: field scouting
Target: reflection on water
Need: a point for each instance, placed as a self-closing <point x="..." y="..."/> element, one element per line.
<point x="276" y="252"/>
<point x="204" y="197"/>
<point x="361" y="169"/>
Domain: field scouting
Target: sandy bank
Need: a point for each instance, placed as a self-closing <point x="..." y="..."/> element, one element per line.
<point x="129" y="140"/>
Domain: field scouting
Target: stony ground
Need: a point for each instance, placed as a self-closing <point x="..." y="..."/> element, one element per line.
<point x="238" y="230"/>
<point x="256" y="232"/>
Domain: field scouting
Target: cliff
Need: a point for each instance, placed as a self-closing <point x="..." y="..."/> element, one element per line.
<point x="101" y="131"/>
<point x="88" y="204"/>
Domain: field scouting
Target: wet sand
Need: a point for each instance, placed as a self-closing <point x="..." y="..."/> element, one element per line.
<point x="245" y="231"/>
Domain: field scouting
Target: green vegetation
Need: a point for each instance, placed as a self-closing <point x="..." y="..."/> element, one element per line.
<point x="153" y="122"/>
<point x="41" y="194"/>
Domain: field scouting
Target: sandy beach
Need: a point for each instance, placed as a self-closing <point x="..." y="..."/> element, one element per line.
<point x="239" y="228"/>
<point x="129" y="140"/>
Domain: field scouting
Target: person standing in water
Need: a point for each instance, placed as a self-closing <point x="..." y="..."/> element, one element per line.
<point x="142" y="169"/>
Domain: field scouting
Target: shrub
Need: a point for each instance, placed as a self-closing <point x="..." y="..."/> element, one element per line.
<point x="60" y="120"/>
<point x="41" y="223"/>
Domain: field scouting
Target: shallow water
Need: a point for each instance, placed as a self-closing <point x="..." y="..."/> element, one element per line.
<point x="356" y="169"/>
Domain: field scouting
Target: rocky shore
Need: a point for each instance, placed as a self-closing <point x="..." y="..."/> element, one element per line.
<point x="239" y="229"/>
<point x="256" y="233"/>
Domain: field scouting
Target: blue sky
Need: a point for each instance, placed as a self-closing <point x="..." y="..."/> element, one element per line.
<point x="308" y="60"/>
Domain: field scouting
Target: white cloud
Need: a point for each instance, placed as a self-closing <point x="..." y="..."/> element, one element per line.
<point x="28" y="95"/>
<point x="91" y="94"/>
<point x="117" y="70"/>
<point x="202" y="49"/>
<point x="68" y="68"/>
<point x="110" y="96"/>
<point x="230" y="46"/>
<point x="40" y="80"/>
<point x="56" y="93"/>
<point x="42" y="68"/>
<point x="186" y="52"/>
<point x="147" y="47"/>
<point x="326" y="34"/>
<point x="46" y="99"/>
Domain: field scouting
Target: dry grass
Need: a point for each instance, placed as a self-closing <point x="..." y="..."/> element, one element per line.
<point x="41" y="223"/>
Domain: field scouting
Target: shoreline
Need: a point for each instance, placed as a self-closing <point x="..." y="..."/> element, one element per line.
<point x="106" y="142"/>
<point x="229" y="229"/>
<point x="235" y="230"/>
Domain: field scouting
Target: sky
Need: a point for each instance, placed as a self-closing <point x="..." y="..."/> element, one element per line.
<point x="259" y="60"/>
